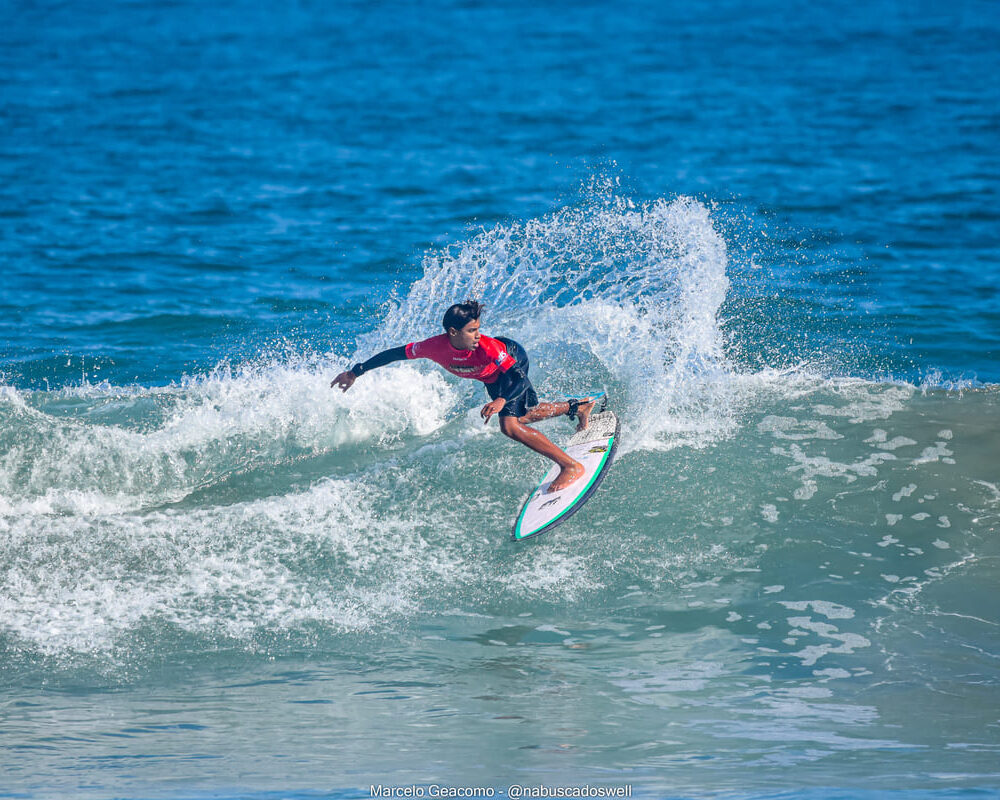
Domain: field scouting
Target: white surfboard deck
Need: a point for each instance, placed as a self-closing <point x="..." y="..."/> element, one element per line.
<point x="595" y="449"/>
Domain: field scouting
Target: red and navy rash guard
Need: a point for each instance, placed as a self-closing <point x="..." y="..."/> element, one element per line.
<point x="485" y="363"/>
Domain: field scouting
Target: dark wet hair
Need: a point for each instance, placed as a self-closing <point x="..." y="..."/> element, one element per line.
<point x="461" y="314"/>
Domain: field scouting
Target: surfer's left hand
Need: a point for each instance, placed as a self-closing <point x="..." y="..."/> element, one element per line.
<point x="492" y="408"/>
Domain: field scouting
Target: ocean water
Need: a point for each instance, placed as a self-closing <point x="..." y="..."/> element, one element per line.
<point x="771" y="230"/>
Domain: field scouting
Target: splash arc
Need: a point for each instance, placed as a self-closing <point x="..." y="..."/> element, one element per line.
<point x="595" y="448"/>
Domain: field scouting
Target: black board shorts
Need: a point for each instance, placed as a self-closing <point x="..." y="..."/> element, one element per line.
<point x="514" y="384"/>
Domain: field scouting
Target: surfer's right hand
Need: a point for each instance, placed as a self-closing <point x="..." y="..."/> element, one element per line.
<point x="345" y="380"/>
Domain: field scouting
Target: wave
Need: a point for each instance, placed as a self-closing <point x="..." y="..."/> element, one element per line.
<point x="833" y="492"/>
<point x="628" y="297"/>
<point x="255" y="503"/>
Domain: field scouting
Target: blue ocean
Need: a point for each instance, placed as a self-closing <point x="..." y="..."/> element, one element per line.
<point x="770" y="230"/>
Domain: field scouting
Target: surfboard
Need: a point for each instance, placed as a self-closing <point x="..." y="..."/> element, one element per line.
<point x="595" y="449"/>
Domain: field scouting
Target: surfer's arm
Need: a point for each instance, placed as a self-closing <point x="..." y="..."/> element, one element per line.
<point x="345" y="380"/>
<point x="380" y="360"/>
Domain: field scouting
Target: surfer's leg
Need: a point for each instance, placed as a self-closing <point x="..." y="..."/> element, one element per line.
<point x="583" y="412"/>
<point x="544" y="411"/>
<point x="549" y="410"/>
<point x="570" y="469"/>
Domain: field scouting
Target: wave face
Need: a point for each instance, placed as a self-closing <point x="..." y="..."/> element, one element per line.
<point x="254" y="509"/>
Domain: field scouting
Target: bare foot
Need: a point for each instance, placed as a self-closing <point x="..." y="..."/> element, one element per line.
<point x="583" y="414"/>
<point x="566" y="477"/>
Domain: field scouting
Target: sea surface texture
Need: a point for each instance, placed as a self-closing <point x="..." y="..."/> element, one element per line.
<point x="771" y="230"/>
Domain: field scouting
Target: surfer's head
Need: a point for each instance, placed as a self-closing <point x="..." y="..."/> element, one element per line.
<point x="461" y="321"/>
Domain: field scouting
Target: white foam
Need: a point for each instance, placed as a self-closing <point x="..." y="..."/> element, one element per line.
<point x="880" y="439"/>
<point x="552" y="574"/>
<point x="848" y="642"/>
<point x="806" y="490"/>
<point x="207" y="429"/>
<point x="833" y="673"/>
<point x="795" y="430"/>
<point x="812" y="466"/>
<point x="896" y="442"/>
<point x="328" y="556"/>
<point x="931" y="454"/>
<point x="863" y="402"/>
<point x="824" y="607"/>
<point x="78" y="584"/>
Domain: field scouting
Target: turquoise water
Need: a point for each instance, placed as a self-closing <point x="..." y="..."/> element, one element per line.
<point x="770" y="232"/>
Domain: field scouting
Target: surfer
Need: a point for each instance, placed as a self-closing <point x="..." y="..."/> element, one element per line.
<point x="502" y="365"/>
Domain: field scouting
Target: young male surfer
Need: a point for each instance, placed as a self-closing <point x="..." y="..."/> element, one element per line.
<point x="502" y="365"/>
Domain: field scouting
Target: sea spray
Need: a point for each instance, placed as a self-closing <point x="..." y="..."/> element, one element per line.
<point x="608" y="292"/>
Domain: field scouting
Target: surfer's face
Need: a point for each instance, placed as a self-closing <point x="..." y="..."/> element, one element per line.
<point x="467" y="338"/>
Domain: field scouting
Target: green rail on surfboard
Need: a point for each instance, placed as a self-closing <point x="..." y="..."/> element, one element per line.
<point x="595" y="449"/>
